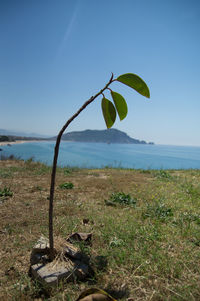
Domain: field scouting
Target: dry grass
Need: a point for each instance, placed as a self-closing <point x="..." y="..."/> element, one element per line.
<point x="147" y="252"/>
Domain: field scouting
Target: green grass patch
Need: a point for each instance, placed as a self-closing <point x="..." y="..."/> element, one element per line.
<point x="147" y="247"/>
<point x="67" y="185"/>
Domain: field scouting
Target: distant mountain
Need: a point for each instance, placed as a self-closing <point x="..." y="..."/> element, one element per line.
<point x="104" y="136"/>
<point x="4" y="132"/>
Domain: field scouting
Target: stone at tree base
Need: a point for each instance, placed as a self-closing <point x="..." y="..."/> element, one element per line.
<point x="42" y="245"/>
<point x="53" y="272"/>
<point x="70" y="267"/>
<point x="81" y="271"/>
<point x="78" y="237"/>
<point x="39" y="258"/>
<point x="40" y="251"/>
<point x="72" y="251"/>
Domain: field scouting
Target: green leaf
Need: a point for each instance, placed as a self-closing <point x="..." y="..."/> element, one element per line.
<point x="109" y="112"/>
<point x="135" y="82"/>
<point x="120" y="104"/>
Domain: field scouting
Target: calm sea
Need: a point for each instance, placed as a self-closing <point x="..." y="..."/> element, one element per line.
<point x="98" y="155"/>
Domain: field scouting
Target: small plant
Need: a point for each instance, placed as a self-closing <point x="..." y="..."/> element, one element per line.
<point x="36" y="188"/>
<point x="163" y="174"/>
<point x="67" y="171"/>
<point x="110" y="109"/>
<point x="30" y="160"/>
<point x="116" y="242"/>
<point x="5" y="173"/>
<point x="5" y="192"/>
<point x="11" y="157"/>
<point x="191" y="190"/>
<point x="122" y="198"/>
<point x="158" y="211"/>
<point x="190" y="217"/>
<point x="67" y="185"/>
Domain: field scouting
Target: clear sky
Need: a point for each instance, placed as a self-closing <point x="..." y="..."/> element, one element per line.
<point x="54" y="55"/>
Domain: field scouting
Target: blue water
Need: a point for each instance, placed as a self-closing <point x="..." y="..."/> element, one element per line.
<point x="98" y="155"/>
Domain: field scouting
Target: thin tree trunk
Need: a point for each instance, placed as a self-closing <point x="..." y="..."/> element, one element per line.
<point x="53" y="173"/>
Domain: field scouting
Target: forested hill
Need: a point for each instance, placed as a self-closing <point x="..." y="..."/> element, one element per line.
<point x="104" y="136"/>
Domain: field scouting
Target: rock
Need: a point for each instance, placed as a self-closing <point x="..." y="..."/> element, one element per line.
<point x="39" y="258"/>
<point x="40" y="251"/>
<point x="55" y="271"/>
<point x="81" y="271"/>
<point x="71" y="251"/>
<point x="42" y="246"/>
<point x="68" y="265"/>
<point x="78" y="237"/>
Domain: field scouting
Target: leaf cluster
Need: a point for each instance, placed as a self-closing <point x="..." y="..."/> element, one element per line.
<point x="119" y="106"/>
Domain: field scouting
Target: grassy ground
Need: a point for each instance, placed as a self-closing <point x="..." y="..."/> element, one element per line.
<point x="149" y="249"/>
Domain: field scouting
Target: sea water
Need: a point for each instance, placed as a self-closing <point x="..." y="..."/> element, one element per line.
<point x="99" y="155"/>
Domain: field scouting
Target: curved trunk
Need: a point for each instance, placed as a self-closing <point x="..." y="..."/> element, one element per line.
<point x="53" y="173"/>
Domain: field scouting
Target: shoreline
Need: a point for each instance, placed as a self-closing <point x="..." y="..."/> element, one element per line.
<point x="18" y="142"/>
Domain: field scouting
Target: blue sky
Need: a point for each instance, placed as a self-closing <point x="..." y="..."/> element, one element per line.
<point x="54" y="55"/>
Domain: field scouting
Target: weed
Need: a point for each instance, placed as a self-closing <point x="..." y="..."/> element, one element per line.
<point x="146" y="171"/>
<point x="30" y="160"/>
<point x="115" y="242"/>
<point x="36" y="188"/>
<point x="67" y="171"/>
<point x="67" y="185"/>
<point x="158" y="211"/>
<point x="190" y="217"/>
<point x="191" y="190"/>
<point x="6" y="192"/>
<point x="44" y="169"/>
<point x="4" y="173"/>
<point x="121" y="198"/>
<point x="11" y="157"/>
<point x="9" y="229"/>
<point x="36" y="167"/>
<point x="163" y="174"/>
<point x="186" y="220"/>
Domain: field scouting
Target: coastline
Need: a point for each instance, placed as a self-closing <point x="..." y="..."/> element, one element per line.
<point x="18" y="142"/>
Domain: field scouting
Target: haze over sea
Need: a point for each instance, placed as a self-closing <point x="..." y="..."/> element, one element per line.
<point x="99" y="155"/>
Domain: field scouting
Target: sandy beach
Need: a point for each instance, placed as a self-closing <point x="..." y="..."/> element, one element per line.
<point x="18" y="142"/>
